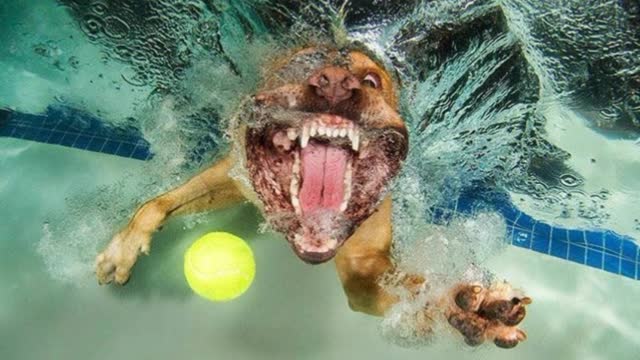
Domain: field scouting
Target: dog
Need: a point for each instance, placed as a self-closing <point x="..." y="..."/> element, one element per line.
<point x="315" y="149"/>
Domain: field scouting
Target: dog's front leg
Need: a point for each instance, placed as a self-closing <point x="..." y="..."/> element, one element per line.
<point x="478" y="313"/>
<point x="211" y="189"/>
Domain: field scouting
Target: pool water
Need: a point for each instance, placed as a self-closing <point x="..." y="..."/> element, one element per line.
<point x="292" y="310"/>
<point x="551" y="130"/>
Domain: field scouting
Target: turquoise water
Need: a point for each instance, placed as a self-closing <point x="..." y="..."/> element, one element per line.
<point x="59" y="205"/>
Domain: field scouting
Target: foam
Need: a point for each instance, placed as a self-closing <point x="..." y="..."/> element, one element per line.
<point x="445" y="255"/>
<point x="186" y="131"/>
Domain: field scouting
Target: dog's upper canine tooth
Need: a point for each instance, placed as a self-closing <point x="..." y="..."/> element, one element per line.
<point x="347" y="186"/>
<point x="292" y="134"/>
<point x="355" y="140"/>
<point x="304" y="139"/>
<point x="296" y="204"/>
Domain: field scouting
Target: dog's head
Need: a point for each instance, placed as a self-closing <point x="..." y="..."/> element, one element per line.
<point x="322" y="143"/>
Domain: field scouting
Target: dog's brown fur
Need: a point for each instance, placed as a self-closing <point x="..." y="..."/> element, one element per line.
<point x="478" y="313"/>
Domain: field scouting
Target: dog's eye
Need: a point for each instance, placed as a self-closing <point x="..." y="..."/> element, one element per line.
<point x="372" y="80"/>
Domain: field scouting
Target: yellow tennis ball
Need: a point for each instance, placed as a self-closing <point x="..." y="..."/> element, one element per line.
<point x="219" y="266"/>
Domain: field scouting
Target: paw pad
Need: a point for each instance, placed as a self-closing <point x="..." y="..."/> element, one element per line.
<point x="481" y="314"/>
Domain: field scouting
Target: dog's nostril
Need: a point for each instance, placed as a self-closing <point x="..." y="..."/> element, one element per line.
<point x="323" y="81"/>
<point x="335" y="84"/>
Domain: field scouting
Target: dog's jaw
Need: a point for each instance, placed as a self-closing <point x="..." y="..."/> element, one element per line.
<point x="319" y="167"/>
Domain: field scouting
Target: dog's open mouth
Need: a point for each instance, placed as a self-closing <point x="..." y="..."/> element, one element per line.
<point x="321" y="180"/>
<point x="322" y="168"/>
<point x="321" y="176"/>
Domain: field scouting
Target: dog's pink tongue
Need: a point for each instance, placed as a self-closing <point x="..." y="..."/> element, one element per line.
<point x="323" y="169"/>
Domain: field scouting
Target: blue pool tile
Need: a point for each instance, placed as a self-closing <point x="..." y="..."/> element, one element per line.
<point x="82" y="142"/>
<point x="542" y="230"/>
<point x="594" y="239"/>
<point x="19" y="132"/>
<point x="96" y="144"/>
<point x="627" y="268"/>
<point x="541" y="237"/>
<point x="577" y="253"/>
<point x="68" y="139"/>
<point x="521" y="239"/>
<point x="613" y="243"/>
<point x="41" y="135"/>
<point x="125" y="150"/>
<point x="441" y="215"/>
<point x="141" y="153"/>
<point x="55" y="137"/>
<point x="110" y="147"/>
<point x="559" y="234"/>
<point x="559" y="248"/>
<point x="510" y="213"/>
<point x="466" y="203"/>
<point x="540" y="245"/>
<point x="525" y="222"/>
<point x="576" y="236"/>
<point x="594" y="258"/>
<point x="28" y="134"/>
<point x="612" y="263"/>
<point x="630" y="250"/>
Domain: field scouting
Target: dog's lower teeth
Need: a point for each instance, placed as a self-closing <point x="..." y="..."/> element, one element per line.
<point x="347" y="186"/>
<point x="292" y="134"/>
<point x="304" y="139"/>
<point x="294" y="187"/>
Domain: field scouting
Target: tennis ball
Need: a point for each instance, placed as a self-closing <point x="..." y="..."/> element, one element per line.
<point x="219" y="266"/>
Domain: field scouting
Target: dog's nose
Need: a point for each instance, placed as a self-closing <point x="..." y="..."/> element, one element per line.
<point x="334" y="83"/>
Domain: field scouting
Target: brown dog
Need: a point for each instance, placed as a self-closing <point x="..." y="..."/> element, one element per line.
<point x="315" y="150"/>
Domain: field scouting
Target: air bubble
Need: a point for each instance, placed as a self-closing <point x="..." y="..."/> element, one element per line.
<point x="98" y="8"/>
<point x="92" y="26"/>
<point x="570" y="180"/>
<point x="115" y="28"/>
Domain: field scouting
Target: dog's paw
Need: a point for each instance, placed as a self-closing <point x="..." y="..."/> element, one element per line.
<point x="116" y="261"/>
<point x="481" y="314"/>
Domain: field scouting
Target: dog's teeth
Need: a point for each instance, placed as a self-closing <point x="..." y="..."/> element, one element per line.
<point x="322" y="130"/>
<point x="355" y="140"/>
<point x="313" y="129"/>
<point x="304" y="139"/>
<point x="296" y="204"/>
<point x="347" y="186"/>
<point x="343" y="132"/>
<point x="336" y="132"/>
<point x="294" y="188"/>
<point x="292" y="134"/>
<point x="296" y="165"/>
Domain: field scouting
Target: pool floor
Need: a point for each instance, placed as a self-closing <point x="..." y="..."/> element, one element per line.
<point x="292" y="311"/>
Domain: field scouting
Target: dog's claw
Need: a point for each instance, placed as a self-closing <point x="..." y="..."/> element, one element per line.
<point x="114" y="264"/>
<point x="480" y="314"/>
